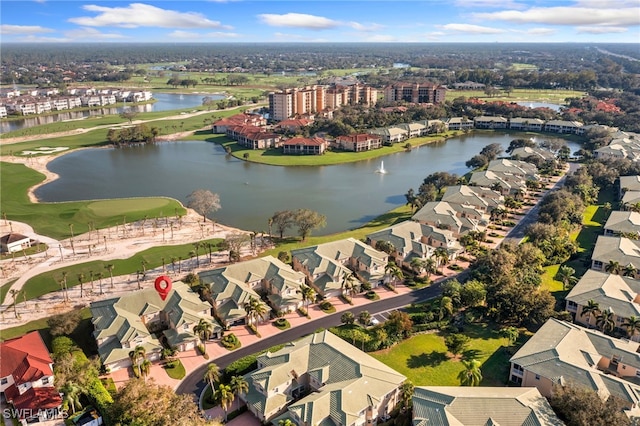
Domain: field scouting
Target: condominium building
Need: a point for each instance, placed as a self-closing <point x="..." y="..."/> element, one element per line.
<point x="415" y="93"/>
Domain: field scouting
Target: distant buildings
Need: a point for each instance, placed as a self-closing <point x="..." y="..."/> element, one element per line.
<point x="415" y="93"/>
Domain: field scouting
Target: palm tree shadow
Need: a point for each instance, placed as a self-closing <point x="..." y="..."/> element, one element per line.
<point x="432" y="359"/>
<point x="471" y="354"/>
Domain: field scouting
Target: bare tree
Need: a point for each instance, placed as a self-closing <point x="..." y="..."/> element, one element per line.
<point x="204" y="202"/>
<point x="129" y="114"/>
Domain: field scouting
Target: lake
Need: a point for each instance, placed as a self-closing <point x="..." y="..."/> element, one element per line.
<point x="348" y="194"/>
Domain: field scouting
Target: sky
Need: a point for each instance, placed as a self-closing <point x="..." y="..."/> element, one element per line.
<point x="552" y="21"/>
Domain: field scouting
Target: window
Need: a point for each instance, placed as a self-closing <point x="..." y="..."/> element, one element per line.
<point x="4" y="381"/>
<point x="572" y="305"/>
<point x="45" y="380"/>
<point x="597" y="264"/>
<point x="537" y="377"/>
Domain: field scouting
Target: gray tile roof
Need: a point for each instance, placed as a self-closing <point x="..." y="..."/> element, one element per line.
<point x="630" y="183"/>
<point x="350" y="379"/>
<point x="626" y="222"/>
<point x="479" y="406"/>
<point x="477" y="196"/>
<point x="618" y="249"/>
<point x="448" y="216"/>
<point x="565" y="352"/>
<point x="608" y="290"/>
<point x="514" y="167"/>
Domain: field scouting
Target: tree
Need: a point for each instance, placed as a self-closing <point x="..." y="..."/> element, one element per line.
<point x="406" y="393"/>
<point x="347" y="318"/>
<point x="204" y="202"/>
<point x="149" y="404"/>
<point x="64" y="324"/>
<point x="456" y="343"/>
<point x="71" y="395"/>
<point x="492" y="151"/>
<point x="81" y="282"/>
<point x="308" y="295"/>
<point x="364" y="318"/>
<point x="212" y="375"/>
<point x="109" y="268"/>
<point x="580" y="406"/>
<point x="65" y="289"/>
<point x="394" y="272"/>
<point x="442" y="256"/>
<point x="282" y="220"/>
<point x="606" y="320"/>
<point x="632" y="324"/>
<point x="445" y="307"/>
<point x="398" y="325"/>
<point x="613" y="267"/>
<point x="239" y="386"/>
<point x="473" y="293"/>
<point x="471" y="375"/>
<point x="129" y="114"/>
<point x="307" y="220"/>
<point x="224" y="395"/>
<point x="477" y="161"/>
<point x="256" y="310"/>
<point x="204" y="330"/>
<point x="137" y="356"/>
<point x="591" y="309"/>
<point x="566" y="276"/>
<point x="511" y="334"/>
<point x="629" y="271"/>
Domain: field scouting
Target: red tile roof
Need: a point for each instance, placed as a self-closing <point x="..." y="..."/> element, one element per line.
<point x="359" y="137"/>
<point x="26" y="358"/>
<point x="305" y="141"/>
<point x="33" y="399"/>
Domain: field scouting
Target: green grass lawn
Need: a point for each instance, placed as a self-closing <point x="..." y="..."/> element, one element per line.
<point x="423" y="358"/>
<point x="520" y="95"/>
<point x="53" y="219"/>
<point x="49" y="281"/>
<point x="177" y="371"/>
<point x="4" y="290"/>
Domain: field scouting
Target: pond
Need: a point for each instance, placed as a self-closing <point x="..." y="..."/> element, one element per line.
<point x="348" y="194"/>
<point x="164" y="102"/>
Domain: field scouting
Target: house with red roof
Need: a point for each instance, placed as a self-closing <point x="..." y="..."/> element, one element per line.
<point x="26" y="379"/>
<point x="243" y="119"/>
<point x="304" y="146"/>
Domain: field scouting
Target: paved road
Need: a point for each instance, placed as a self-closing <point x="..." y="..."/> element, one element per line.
<point x="193" y="383"/>
<point x="517" y="232"/>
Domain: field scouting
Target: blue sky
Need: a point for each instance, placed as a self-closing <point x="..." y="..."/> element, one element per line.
<point x="41" y="21"/>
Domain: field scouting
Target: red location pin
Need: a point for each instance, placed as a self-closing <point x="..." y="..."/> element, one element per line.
<point x="163" y="286"/>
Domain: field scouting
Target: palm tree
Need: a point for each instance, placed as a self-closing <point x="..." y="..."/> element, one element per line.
<point x="212" y="375"/>
<point x="71" y="395"/>
<point x="173" y="263"/>
<point x="394" y="272"/>
<point x="592" y="308"/>
<point x="196" y="246"/>
<point x="225" y="396"/>
<point x="137" y="356"/>
<point x="364" y="318"/>
<point x="430" y="266"/>
<point x="471" y="375"/>
<point x="347" y="318"/>
<point x="417" y="265"/>
<point x="109" y="268"/>
<point x="613" y="267"/>
<point x="145" y="368"/>
<point x="64" y="284"/>
<point x="80" y="280"/>
<point x="99" y="278"/>
<point x="14" y="295"/>
<point x="308" y="295"/>
<point x="629" y="271"/>
<point x="348" y="277"/>
<point x="442" y="257"/>
<point x="256" y="310"/>
<point x="406" y="393"/>
<point x="446" y="307"/>
<point x="204" y="330"/>
<point x="632" y="324"/>
<point x="565" y="275"/>
<point x="606" y="320"/>
<point x="239" y="386"/>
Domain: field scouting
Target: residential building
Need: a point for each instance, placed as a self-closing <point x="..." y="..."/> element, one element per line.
<point x="615" y="250"/>
<point x="412" y="240"/>
<point x="392" y="134"/>
<point x="414" y="130"/>
<point x="26" y="379"/>
<point x="562" y="126"/>
<point x="525" y="152"/>
<point x="514" y="167"/>
<point x="505" y="183"/>
<point x="416" y="93"/>
<point x="620" y="148"/>
<point x="566" y="354"/>
<point x="326" y="265"/>
<point x="468" y="85"/>
<point x="3" y="111"/>
<point x="629" y="183"/>
<point x="457" y="218"/>
<point x="14" y="242"/>
<point x="221" y="126"/>
<point x="625" y="223"/>
<point x="294" y="125"/>
<point x="233" y="285"/>
<point x="359" y="142"/>
<point x="253" y="137"/>
<point x="459" y="123"/>
<point x="526" y="124"/>
<point x="304" y="146"/>
<point x="481" y="198"/>
<point x="136" y="318"/>
<point x="322" y="380"/>
<point x="481" y="406"/>
<point x="617" y="293"/>
<point x="490" y="122"/>
<point x="630" y="199"/>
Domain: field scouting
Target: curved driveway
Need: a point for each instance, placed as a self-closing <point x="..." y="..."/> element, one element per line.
<point x="194" y="384"/>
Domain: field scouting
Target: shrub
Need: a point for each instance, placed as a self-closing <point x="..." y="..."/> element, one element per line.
<point x="201" y="348"/>
<point x="99" y="397"/>
<point x="455" y="267"/>
<point x="366" y="286"/>
<point x="230" y="341"/>
<point x="303" y="312"/>
<point x="282" y="323"/>
<point x="435" y="325"/>
<point x="327" y="307"/>
<point x="241" y="366"/>
<point x="372" y="295"/>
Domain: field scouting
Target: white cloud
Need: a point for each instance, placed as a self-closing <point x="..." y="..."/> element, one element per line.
<point x="601" y="30"/>
<point x="24" y="29"/>
<point x="377" y="38"/>
<point x="365" y="27"/>
<point x="607" y="4"/>
<point x="143" y="15"/>
<point x="298" y="20"/>
<point x="540" y="31"/>
<point x="470" y="29"/>
<point x="40" y="39"/>
<point x="220" y="34"/>
<point x="183" y="34"/>
<point x="85" y="33"/>
<point x="567" y="16"/>
<point x="489" y="3"/>
<point x="190" y="35"/>
<point x="298" y="37"/>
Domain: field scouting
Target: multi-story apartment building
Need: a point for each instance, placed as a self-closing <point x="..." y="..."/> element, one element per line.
<point x="415" y="93"/>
